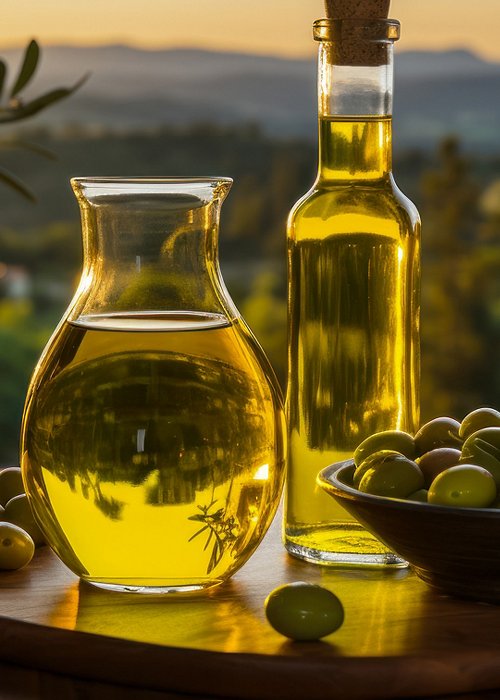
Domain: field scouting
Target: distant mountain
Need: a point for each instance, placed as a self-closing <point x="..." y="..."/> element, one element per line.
<point x="442" y="64"/>
<point x="436" y="92"/>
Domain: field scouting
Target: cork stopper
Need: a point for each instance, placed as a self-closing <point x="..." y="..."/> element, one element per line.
<point x="357" y="39"/>
<point x="357" y="9"/>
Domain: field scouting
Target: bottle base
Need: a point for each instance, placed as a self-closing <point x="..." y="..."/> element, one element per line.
<point x="149" y="588"/>
<point x="344" y="544"/>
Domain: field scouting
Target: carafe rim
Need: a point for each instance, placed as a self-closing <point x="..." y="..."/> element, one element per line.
<point x="153" y="180"/>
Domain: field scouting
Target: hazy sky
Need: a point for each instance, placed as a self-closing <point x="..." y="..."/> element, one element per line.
<point x="264" y="26"/>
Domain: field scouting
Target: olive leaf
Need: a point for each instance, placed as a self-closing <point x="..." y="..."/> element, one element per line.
<point x="12" y="181"/>
<point x="18" y="110"/>
<point x="28" y="67"/>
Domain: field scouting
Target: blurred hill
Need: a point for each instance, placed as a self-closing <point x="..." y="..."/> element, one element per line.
<point x="133" y="89"/>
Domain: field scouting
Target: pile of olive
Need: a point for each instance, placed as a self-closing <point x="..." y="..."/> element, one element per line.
<point x="19" y="533"/>
<point x="446" y="463"/>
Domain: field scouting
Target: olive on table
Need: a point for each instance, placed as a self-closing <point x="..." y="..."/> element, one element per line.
<point x="438" y="432"/>
<point x="18" y="511"/>
<point x="480" y="418"/>
<point x="393" y="475"/>
<point x="465" y="486"/>
<point x="16" y="547"/>
<point x="433" y="462"/>
<point x="395" y="440"/>
<point x="304" y="611"/>
<point x="483" y="449"/>
<point x="11" y="484"/>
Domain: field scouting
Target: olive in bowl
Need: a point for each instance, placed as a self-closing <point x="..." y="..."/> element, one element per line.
<point x="455" y="550"/>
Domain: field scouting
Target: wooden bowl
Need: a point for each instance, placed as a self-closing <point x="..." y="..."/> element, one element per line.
<point x="454" y="550"/>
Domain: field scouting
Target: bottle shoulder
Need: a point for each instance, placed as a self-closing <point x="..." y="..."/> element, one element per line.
<point x="377" y="207"/>
<point x="405" y="203"/>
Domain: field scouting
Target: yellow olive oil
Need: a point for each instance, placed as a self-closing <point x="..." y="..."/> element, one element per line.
<point x="153" y="448"/>
<point x="353" y="256"/>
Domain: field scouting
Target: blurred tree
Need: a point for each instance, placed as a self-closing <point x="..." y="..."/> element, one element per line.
<point x="458" y="357"/>
<point x="265" y="312"/>
<point x="21" y="338"/>
<point x="450" y="203"/>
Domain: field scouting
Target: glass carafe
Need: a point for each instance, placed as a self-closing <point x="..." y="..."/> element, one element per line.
<point x="153" y="432"/>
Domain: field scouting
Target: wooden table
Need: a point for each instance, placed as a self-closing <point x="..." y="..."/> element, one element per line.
<point x="60" y="638"/>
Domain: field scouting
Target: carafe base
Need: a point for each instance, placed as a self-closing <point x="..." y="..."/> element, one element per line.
<point x="154" y="588"/>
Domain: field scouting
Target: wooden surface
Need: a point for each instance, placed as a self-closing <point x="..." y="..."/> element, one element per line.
<point x="399" y="638"/>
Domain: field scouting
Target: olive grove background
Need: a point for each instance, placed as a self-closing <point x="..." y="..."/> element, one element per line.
<point x="454" y="180"/>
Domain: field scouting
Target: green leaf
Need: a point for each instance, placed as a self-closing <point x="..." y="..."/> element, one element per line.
<point x="218" y="515"/>
<point x="28" y="67"/>
<point x="28" y="109"/>
<point x="12" y="181"/>
<point x="209" y="539"/>
<point x="197" y="533"/>
<point x="198" y="517"/>
<point x="3" y="75"/>
<point x="216" y="556"/>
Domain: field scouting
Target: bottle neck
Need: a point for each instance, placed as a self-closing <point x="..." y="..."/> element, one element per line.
<point x="355" y="117"/>
<point x="355" y="148"/>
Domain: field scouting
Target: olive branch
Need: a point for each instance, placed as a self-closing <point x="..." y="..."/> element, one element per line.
<point x="14" y="108"/>
<point x="223" y="531"/>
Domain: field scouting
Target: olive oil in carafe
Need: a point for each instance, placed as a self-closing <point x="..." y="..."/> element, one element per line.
<point x="353" y="328"/>
<point x="152" y="444"/>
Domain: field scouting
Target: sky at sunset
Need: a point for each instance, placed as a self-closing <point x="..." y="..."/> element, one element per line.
<point x="280" y="27"/>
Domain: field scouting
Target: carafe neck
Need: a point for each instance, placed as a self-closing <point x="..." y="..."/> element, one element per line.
<point x="151" y="244"/>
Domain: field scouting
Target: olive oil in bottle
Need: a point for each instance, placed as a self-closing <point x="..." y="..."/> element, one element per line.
<point x="353" y="253"/>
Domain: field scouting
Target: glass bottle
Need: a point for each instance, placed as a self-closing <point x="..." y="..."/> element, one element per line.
<point x="153" y="433"/>
<point x="353" y="270"/>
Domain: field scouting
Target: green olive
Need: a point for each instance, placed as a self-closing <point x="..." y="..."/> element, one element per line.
<point x="483" y="449"/>
<point x="480" y="418"/>
<point x="465" y="485"/>
<point x="395" y="440"/>
<point x="435" y="461"/>
<point x="394" y="475"/>
<point x="304" y="611"/>
<point x="16" y="547"/>
<point x="420" y="496"/>
<point x="371" y="461"/>
<point x="11" y="484"/>
<point x="489" y="435"/>
<point x="477" y="453"/>
<point x="439" y="432"/>
<point x="18" y="511"/>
